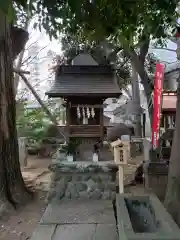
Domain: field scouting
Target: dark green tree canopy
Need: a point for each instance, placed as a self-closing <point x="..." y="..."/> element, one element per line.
<point x="125" y="20"/>
<point x="127" y="24"/>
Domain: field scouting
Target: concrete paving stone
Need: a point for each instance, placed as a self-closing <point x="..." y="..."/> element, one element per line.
<point x="43" y="232"/>
<point x="105" y="232"/>
<point x="74" y="232"/>
<point x="86" y="232"/>
<point x="79" y="211"/>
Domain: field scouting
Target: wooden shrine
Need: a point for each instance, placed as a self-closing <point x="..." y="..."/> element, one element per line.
<point x="168" y="112"/>
<point x="168" y="116"/>
<point x="84" y="85"/>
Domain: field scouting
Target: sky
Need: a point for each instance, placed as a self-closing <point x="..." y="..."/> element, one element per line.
<point x="43" y="40"/>
<point x="164" y="55"/>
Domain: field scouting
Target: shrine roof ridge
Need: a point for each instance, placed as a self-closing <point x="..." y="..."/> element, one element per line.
<point x="85" y="69"/>
<point x="85" y="80"/>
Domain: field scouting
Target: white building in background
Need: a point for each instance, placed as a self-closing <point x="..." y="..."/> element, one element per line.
<point x="38" y="62"/>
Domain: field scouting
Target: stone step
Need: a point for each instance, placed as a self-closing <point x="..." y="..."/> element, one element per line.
<point x="76" y="232"/>
<point x="77" y="220"/>
<point x="79" y="212"/>
<point x="43" y="232"/>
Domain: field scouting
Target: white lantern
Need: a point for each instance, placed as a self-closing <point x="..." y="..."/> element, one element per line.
<point x="95" y="157"/>
<point x="70" y="158"/>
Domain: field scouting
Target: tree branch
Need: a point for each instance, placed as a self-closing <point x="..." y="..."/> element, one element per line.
<point x="144" y="47"/>
<point x="167" y="49"/>
<point x="19" y="38"/>
<point x="31" y="59"/>
<point x="52" y="118"/>
<point x="20" y="58"/>
<point x="139" y="66"/>
<point x="127" y="91"/>
<point x="18" y="71"/>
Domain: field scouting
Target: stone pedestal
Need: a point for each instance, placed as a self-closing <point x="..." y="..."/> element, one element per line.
<point x="156" y="175"/>
<point x="82" y="180"/>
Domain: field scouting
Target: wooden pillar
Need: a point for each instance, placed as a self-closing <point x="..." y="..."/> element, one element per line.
<point x="121" y="178"/>
<point x="64" y="116"/>
<point x="101" y="124"/>
<point x="68" y="117"/>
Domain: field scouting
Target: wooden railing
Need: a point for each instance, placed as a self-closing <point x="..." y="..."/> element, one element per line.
<point x="85" y="130"/>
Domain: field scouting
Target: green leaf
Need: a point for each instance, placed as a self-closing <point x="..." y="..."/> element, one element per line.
<point x="7" y="8"/>
<point x="11" y="13"/>
<point x="23" y="3"/>
<point x="4" y="6"/>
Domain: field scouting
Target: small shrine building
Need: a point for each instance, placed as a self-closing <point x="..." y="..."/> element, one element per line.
<point x="168" y="111"/>
<point x="84" y="86"/>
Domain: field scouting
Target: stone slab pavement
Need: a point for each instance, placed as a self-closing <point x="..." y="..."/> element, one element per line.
<point x="77" y="220"/>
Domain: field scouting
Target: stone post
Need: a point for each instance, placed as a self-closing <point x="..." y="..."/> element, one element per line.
<point x="146" y="148"/>
<point x="22" y="151"/>
<point x="155" y="174"/>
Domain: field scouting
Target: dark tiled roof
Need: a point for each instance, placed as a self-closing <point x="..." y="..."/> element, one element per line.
<point x="76" y="84"/>
<point x="84" y="69"/>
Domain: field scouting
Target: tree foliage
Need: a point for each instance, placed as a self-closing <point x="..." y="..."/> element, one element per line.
<point x="128" y="24"/>
<point x="32" y="123"/>
<point x="125" y="20"/>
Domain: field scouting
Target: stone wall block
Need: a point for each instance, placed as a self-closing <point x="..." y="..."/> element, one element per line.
<point x="79" y="180"/>
<point x="95" y="195"/>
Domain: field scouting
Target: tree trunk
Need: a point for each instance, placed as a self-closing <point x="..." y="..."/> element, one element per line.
<point x="136" y="102"/>
<point x="128" y="92"/>
<point x="172" y="199"/>
<point x="19" y="38"/>
<point x="12" y="187"/>
<point x="140" y="69"/>
<point x="17" y="77"/>
<point x="20" y="59"/>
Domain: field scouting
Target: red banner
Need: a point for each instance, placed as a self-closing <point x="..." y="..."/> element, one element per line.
<point x="157" y="101"/>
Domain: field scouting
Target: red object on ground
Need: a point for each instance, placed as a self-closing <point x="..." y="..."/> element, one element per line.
<point x="158" y="87"/>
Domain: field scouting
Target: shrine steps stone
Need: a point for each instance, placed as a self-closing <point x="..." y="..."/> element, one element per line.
<point x="77" y="220"/>
<point x="76" y="232"/>
<point x="44" y="232"/>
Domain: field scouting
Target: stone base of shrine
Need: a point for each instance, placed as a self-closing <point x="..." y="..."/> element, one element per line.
<point x="82" y="180"/>
<point x="156" y="175"/>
